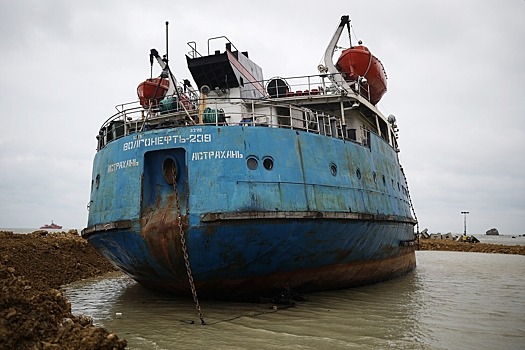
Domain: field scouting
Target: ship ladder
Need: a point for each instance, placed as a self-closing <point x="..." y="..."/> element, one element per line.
<point x="411" y="206"/>
<point x="183" y="244"/>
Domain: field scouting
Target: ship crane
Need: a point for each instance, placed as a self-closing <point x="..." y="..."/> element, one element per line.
<point x="174" y="84"/>
<point x="335" y="76"/>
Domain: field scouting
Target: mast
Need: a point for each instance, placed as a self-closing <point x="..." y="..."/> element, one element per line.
<point x="167" y="23"/>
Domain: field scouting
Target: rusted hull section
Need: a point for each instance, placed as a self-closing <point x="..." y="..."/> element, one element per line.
<point x="332" y="277"/>
<point x="243" y="259"/>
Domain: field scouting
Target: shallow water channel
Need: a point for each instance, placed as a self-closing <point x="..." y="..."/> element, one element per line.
<point x="452" y="300"/>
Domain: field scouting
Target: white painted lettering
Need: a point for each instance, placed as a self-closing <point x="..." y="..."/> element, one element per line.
<point x="122" y="165"/>
<point x="139" y="141"/>
<point x="219" y="154"/>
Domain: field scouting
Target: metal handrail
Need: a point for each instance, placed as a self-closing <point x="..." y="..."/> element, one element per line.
<point x="135" y="118"/>
<point x="132" y="117"/>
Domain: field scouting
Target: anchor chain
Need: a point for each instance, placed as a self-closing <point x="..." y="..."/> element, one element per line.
<point x="184" y="247"/>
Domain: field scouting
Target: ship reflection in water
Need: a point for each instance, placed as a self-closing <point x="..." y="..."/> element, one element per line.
<point x="452" y="300"/>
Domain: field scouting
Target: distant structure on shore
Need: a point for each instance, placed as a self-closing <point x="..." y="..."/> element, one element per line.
<point x="449" y="236"/>
<point x="492" y="232"/>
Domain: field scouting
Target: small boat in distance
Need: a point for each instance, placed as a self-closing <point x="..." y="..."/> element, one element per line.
<point x="52" y="225"/>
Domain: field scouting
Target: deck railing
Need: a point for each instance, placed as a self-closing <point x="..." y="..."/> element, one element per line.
<point x="132" y="117"/>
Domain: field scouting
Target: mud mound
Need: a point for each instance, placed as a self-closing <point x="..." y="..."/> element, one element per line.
<point x="50" y="260"/>
<point x="34" y="314"/>
<point x="34" y="319"/>
<point x="450" y="245"/>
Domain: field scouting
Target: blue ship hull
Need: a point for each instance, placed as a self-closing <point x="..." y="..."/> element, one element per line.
<point x="251" y="232"/>
<point x="248" y="188"/>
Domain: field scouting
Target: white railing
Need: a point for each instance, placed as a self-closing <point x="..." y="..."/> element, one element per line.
<point x="132" y="117"/>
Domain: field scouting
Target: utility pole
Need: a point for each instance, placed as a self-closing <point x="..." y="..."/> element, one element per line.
<point x="465" y="221"/>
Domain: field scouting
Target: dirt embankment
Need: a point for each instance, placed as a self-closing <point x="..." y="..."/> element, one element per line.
<point x="451" y="245"/>
<point x="34" y="314"/>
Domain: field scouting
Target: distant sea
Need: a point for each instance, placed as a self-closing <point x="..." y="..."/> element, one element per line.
<point x="501" y="239"/>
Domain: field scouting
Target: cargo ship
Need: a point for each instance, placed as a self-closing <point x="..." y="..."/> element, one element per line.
<point x="234" y="186"/>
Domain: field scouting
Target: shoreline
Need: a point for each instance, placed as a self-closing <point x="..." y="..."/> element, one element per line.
<point x="455" y="246"/>
<point x="34" y="266"/>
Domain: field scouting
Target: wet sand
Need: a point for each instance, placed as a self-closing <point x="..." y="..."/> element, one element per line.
<point x="450" y="245"/>
<point x="34" y="313"/>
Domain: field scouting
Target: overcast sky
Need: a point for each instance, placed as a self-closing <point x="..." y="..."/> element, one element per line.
<point x="456" y="75"/>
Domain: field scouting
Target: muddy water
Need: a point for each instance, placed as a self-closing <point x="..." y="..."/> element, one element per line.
<point x="452" y="301"/>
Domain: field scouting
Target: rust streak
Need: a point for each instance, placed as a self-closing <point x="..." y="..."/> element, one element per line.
<point x="306" y="280"/>
<point x="160" y="229"/>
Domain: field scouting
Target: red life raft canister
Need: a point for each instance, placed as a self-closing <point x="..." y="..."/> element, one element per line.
<point x="151" y="91"/>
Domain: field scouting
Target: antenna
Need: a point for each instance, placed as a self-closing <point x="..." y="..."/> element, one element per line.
<point x="167" y="23"/>
<point x="349" y="32"/>
<point x="151" y="65"/>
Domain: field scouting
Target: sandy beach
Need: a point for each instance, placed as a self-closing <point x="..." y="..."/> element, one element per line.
<point x="35" y="314"/>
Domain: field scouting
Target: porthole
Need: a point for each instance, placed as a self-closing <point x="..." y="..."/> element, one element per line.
<point x="374" y="175"/>
<point x="384" y="180"/>
<point x="252" y="163"/>
<point x="169" y="170"/>
<point x="358" y="173"/>
<point x="333" y="169"/>
<point x="97" y="181"/>
<point x="398" y="188"/>
<point x="268" y="163"/>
